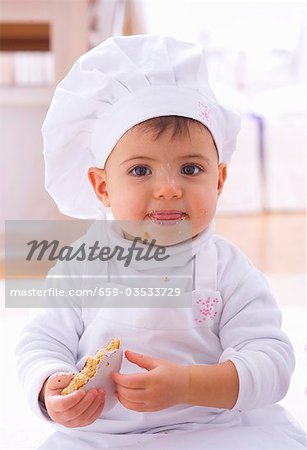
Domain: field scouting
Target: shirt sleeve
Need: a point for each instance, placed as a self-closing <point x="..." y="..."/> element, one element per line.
<point x="251" y="335"/>
<point x="48" y="344"/>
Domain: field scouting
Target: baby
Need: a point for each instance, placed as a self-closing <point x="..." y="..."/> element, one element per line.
<point x="134" y="129"/>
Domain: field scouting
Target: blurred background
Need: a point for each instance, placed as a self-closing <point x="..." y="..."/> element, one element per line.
<point x="256" y="57"/>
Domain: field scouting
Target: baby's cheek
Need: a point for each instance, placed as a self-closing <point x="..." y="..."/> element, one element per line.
<point x="203" y="212"/>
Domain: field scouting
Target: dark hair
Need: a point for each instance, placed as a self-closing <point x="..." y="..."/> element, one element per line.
<point x="178" y="124"/>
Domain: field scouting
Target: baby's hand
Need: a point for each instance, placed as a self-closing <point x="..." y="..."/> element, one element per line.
<point x="77" y="409"/>
<point x="164" y="385"/>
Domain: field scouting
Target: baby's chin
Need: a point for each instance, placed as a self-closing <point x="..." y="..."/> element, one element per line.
<point x="158" y="234"/>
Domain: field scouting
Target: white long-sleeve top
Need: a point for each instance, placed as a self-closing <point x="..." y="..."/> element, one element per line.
<point x="244" y="326"/>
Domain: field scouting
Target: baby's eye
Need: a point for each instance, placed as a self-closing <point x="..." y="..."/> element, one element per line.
<point x="139" y="171"/>
<point x="189" y="169"/>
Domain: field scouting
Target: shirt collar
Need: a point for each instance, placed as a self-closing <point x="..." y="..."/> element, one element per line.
<point x="179" y="254"/>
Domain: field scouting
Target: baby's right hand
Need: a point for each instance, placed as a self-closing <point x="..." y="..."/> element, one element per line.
<point x="77" y="409"/>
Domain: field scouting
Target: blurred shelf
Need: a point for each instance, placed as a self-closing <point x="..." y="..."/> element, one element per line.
<point x="25" y="95"/>
<point x="60" y="25"/>
<point x="16" y="36"/>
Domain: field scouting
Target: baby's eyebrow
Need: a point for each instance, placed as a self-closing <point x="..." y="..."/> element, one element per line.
<point x="197" y="155"/>
<point x="194" y="155"/>
<point x="137" y="157"/>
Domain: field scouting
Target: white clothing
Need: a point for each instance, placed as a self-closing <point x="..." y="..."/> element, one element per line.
<point x="243" y="325"/>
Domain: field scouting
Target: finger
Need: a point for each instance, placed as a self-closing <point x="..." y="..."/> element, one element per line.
<point x="133" y="381"/>
<point x="61" y="403"/>
<point x="86" y="403"/>
<point x="144" y="361"/>
<point x="90" y="413"/>
<point x="96" y="413"/>
<point x="71" y="414"/>
<point x="133" y="395"/>
<point x="140" y="407"/>
<point x="58" y="381"/>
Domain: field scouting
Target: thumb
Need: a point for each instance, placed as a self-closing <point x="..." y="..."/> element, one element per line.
<point x="144" y="361"/>
<point x="58" y="381"/>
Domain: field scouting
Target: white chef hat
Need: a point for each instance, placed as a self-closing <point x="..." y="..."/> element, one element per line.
<point x="116" y="85"/>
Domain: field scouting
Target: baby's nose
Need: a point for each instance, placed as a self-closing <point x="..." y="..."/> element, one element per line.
<point x="167" y="188"/>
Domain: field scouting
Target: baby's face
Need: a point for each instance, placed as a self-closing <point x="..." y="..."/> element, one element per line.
<point x="163" y="180"/>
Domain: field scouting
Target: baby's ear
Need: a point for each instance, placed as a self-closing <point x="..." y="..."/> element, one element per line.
<point x="222" y="177"/>
<point x="98" y="180"/>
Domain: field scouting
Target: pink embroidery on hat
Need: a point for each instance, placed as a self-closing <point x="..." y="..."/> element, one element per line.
<point x="204" y="112"/>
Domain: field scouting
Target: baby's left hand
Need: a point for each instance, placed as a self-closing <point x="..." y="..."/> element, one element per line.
<point x="165" y="384"/>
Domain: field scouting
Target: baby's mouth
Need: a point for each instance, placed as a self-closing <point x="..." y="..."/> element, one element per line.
<point x="167" y="217"/>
